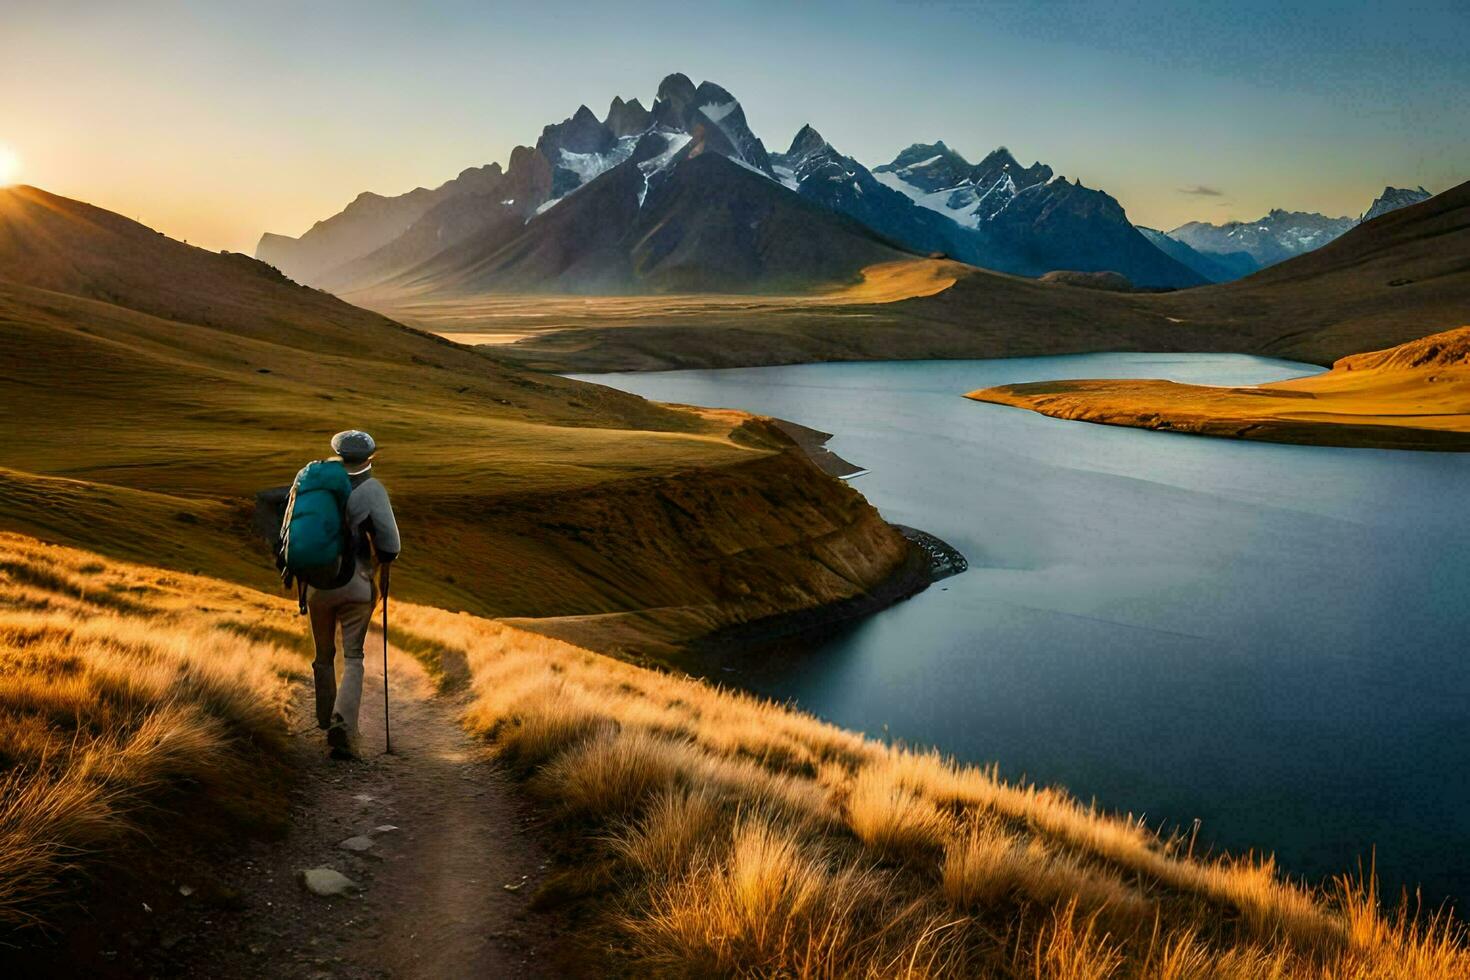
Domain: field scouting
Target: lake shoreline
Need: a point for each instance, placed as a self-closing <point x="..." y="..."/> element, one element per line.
<point x="1415" y="396"/>
<point x="929" y="560"/>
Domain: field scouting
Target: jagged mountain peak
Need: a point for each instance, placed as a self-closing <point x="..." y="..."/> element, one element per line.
<point x="711" y="115"/>
<point x="1392" y="199"/>
<point x="807" y="140"/>
<point x="627" y="118"/>
<point x="676" y="87"/>
<point x="917" y="153"/>
<point x="1001" y="164"/>
<point x="711" y="92"/>
<point x="1001" y="156"/>
<point x="582" y="132"/>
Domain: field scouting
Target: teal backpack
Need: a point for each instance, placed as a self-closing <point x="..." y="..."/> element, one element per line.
<point x="314" y="535"/>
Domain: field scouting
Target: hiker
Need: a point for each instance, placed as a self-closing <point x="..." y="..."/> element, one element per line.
<point x="340" y="592"/>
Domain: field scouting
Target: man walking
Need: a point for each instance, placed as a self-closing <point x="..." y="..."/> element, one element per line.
<point x="347" y="603"/>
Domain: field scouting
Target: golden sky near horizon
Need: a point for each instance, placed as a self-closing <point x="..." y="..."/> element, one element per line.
<point x="215" y="122"/>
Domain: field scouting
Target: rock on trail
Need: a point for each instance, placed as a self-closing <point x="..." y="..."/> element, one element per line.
<point x="327" y="882"/>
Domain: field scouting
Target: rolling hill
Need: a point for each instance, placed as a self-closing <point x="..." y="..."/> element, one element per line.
<point x="157" y="386"/>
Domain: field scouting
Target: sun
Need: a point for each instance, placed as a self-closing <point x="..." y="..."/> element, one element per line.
<point x="9" y="165"/>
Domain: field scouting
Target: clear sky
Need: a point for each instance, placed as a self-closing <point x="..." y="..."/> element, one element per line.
<point x="215" y="121"/>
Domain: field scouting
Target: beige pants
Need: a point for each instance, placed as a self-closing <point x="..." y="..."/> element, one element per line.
<point x="349" y="608"/>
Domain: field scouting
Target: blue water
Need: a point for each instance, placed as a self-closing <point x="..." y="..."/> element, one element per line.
<point x="1272" y="639"/>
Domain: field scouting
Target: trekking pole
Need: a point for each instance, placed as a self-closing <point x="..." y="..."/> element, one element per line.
<point x="387" y="735"/>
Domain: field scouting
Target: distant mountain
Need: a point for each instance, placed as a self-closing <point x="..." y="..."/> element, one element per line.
<point x="1278" y="236"/>
<point x="503" y="205"/>
<point x="1239" y="248"/>
<point x="938" y="178"/>
<point x="682" y="220"/>
<point x="1392" y="199"/>
<point x="561" y="215"/>
<point x="819" y="173"/>
<point x="1026" y="220"/>
<point x="368" y="223"/>
<point x="1216" y="267"/>
<point x="1061" y="225"/>
<point x="996" y="213"/>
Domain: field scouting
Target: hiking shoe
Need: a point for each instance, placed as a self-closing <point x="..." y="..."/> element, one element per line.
<point x="338" y="740"/>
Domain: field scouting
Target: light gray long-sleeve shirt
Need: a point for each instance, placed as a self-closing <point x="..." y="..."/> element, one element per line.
<point x="370" y="515"/>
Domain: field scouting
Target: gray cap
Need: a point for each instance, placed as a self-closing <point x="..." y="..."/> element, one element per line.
<point x="354" y="446"/>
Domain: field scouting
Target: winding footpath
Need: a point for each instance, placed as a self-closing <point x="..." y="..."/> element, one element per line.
<point x="445" y="871"/>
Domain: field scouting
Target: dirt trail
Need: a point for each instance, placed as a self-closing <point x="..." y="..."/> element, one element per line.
<point x="434" y="900"/>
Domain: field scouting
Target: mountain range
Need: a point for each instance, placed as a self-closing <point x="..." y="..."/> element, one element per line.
<point x="1238" y="248"/>
<point x="684" y="196"/>
<point x="618" y="204"/>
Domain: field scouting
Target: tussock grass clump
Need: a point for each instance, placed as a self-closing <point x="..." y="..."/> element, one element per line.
<point x="110" y="707"/>
<point x="748" y="839"/>
<point x="893" y="819"/>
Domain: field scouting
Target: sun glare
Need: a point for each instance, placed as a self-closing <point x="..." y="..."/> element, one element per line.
<point x="9" y="165"/>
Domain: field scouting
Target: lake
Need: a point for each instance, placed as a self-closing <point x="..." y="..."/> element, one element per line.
<point x="1272" y="639"/>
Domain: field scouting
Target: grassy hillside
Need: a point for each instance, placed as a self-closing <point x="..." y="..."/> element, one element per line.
<point x="133" y="701"/>
<point x="698" y="831"/>
<point x="1413" y="396"/>
<point x="1401" y="276"/>
<point x="158" y="387"/>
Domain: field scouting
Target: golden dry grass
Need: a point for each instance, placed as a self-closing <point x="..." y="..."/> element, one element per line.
<point x="123" y="701"/>
<point x="748" y="839"/>
<point x="719" y="834"/>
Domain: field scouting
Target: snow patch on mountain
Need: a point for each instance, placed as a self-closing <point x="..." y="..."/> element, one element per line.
<point x="716" y="111"/>
<point x="674" y="143"/>
<point x="960" y="205"/>
<point x="786" y="176"/>
<point x="589" y="166"/>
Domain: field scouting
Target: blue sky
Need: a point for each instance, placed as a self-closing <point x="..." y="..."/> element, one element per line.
<point x="217" y="121"/>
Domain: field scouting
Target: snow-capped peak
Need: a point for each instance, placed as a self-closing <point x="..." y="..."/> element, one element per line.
<point x="1392" y="199"/>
